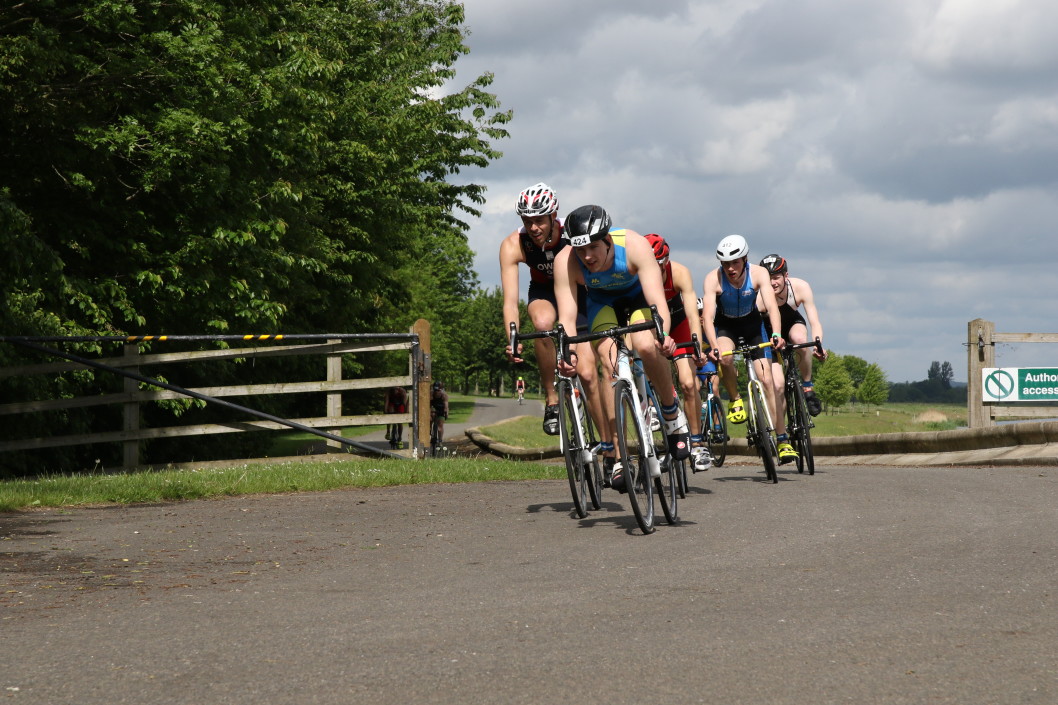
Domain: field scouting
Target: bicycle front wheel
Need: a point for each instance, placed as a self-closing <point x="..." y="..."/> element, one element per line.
<point x="594" y="469"/>
<point x="764" y="438"/>
<point x="635" y="457"/>
<point x="803" y="440"/>
<point x="571" y="439"/>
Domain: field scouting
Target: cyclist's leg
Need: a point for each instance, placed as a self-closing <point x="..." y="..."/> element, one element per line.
<point x="543" y="313"/>
<point x="588" y="371"/>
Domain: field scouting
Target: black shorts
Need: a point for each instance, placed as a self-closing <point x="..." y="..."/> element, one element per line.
<point x="546" y="291"/>
<point x="789" y="317"/>
<point x="749" y="328"/>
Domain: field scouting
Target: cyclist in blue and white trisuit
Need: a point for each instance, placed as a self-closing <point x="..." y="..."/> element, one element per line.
<point x="618" y="268"/>
<point x="536" y="244"/>
<point x="729" y="313"/>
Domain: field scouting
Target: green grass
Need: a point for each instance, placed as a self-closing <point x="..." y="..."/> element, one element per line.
<point x="295" y="442"/>
<point x="275" y="478"/>
<point x="525" y="432"/>
<point x="258" y="478"/>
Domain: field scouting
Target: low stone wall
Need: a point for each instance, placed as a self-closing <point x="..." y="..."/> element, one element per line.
<point x="1027" y="433"/>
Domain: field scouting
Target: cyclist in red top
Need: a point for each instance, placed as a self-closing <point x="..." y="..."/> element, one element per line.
<point x="396" y="403"/>
<point x="536" y="244"/>
<point x="681" y="298"/>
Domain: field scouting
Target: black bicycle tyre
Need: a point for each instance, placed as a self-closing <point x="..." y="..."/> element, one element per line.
<point x="806" y="454"/>
<point x="765" y="440"/>
<point x="638" y="487"/>
<point x="578" y="483"/>
<point x="794" y="422"/>
<point x="595" y="469"/>
<point x="717" y="441"/>
<point x="666" y="498"/>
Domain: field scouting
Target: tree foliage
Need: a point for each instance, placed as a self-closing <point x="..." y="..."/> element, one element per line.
<point x="832" y="381"/>
<point x="197" y="166"/>
<point x="874" y="389"/>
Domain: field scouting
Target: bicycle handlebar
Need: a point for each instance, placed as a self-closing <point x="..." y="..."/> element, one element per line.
<point x="692" y="342"/>
<point x="817" y="344"/>
<point x="745" y="349"/>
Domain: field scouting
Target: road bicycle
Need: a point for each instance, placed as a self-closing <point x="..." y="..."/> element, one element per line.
<point x="759" y="428"/>
<point x="713" y="421"/>
<point x="577" y="435"/>
<point x="642" y="466"/>
<point x="436" y="441"/>
<point x="799" y="422"/>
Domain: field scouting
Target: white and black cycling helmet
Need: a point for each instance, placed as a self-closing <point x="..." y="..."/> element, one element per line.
<point x="731" y="248"/>
<point x="538" y="199"/>
<point x="586" y="225"/>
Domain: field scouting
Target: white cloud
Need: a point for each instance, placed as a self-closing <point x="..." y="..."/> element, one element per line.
<point x="902" y="154"/>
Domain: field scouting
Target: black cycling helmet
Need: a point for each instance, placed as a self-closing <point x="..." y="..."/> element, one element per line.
<point x="438" y="385"/>
<point x="774" y="264"/>
<point x="586" y="225"/>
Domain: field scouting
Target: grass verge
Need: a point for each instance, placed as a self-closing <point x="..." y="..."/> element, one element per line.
<point x="259" y="478"/>
<point x="525" y="432"/>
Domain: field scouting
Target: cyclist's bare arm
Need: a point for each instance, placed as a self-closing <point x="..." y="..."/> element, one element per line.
<point x="684" y="283"/>
<point x="710" y="290"/>
<point x="762" y="283"/>
<point x="806" y="297"/>
<point x="511" y="256"/>
<point x="567" y="277"/>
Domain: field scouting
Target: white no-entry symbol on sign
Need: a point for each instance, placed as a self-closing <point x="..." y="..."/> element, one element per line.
<point x="999" y="384"/>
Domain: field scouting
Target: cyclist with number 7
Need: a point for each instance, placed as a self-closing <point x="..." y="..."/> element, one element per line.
<point x="730" y="312"/>
<point x="619" y="271"/>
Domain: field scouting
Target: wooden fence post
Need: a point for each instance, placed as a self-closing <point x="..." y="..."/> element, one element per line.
<point x="334" y="401"/>
<point x="980" y="353"/>
<point x="421" y="393"/>
<point x="130" y="414"/>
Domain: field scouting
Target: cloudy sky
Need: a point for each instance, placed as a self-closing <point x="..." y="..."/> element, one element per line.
<point x="901" y="154"/>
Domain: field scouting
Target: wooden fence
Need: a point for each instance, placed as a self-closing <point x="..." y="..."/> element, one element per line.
<point x="331" y="387"/>
<point x="981" y="354"/>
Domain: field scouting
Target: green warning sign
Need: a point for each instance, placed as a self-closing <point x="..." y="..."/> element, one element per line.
<point x="1027" y="384"/>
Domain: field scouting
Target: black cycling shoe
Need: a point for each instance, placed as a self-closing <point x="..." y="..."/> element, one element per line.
<point x="551" y="420"/>
<point x="813" y="403"/>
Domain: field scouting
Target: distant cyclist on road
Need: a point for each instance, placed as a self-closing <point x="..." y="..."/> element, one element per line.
<point x="537" y="244"/>
<point x="396" y="403"/>
<point x="439" y="407"/>
<point x="623" y="280"/>
<point x="792" y="294"/>
<point x="519" y="389"/>
<point x="730" y="312"/>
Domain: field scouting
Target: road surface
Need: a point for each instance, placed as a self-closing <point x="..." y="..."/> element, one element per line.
<point x="857" y="585"/>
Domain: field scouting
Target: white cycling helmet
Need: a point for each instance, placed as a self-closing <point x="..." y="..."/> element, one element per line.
<point x="538" y="199"/>
<point x="731" y="248"/>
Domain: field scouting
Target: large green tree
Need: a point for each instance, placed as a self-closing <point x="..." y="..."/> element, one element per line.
<point x="195" y="166"/>
<point x="192" y="165"/>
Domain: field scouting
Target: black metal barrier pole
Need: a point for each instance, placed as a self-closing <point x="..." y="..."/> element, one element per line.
<point x="196" y="395"/>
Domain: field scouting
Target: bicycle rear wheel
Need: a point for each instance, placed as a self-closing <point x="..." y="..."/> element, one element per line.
<point x="634" y="457"/>
<point x="717" y="430"/>
<point x="764" y="439"/>
<point x="572" y="439"/>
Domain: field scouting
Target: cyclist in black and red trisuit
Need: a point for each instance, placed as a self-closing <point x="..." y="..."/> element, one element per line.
<point x="536" y="244"/>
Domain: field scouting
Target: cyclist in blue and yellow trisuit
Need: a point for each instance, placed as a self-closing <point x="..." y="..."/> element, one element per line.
<point x="618" y="268"/>
<point x="729" y="313"/>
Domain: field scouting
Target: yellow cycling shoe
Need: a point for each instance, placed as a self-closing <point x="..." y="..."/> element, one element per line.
<point x="786" y="453"/>
<point x="737" y="412"/>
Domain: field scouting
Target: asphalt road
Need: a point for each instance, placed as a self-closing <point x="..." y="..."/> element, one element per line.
<point x="857" y="585"/>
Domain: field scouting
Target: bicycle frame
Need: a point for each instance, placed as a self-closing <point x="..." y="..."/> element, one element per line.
<point x="759" y="437"/>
